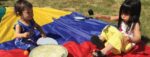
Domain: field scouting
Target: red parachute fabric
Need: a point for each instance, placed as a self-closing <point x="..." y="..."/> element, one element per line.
<point x="85" y="50"/>
<point x="80" y="50"/>
<point x="13" y="53"/>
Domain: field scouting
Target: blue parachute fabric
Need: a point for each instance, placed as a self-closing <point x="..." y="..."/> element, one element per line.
<point x="66" y="29"/>
<point x="69" y="29"/>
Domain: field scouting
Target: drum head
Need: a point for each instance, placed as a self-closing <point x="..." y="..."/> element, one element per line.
<point x="49" y="51"/>
<point x="47" y="40"/>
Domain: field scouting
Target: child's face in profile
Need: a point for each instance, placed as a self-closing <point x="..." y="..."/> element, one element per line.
<point x="125" y="16"/>
<point x="27" y="14"/>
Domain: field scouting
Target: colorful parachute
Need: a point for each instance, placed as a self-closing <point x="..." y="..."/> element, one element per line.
<point x="65" y="27"/>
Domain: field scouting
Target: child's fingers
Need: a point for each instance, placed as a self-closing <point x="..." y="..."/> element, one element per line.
<point x="26" y="34"/>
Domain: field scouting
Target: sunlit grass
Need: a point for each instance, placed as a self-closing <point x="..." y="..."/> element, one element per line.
<point x="106" y="7"/>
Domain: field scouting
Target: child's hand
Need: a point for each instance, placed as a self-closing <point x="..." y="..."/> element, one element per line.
<point x="26" y="34"/>
<point x="125" y="39"/>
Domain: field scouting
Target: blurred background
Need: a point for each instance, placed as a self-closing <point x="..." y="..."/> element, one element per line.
<point x="104" y="7"/>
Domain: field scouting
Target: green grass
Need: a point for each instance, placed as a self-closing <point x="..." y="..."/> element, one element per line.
<point x="106" y="7"/>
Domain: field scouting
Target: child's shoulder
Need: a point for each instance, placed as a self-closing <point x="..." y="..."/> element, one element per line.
<point x="31" y="21"/>
<point x="17" y="26"/>
<point x="17" y="23"/>
<point x="137" y="26"/>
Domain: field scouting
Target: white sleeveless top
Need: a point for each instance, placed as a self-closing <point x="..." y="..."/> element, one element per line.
<point x="123" y="29"/>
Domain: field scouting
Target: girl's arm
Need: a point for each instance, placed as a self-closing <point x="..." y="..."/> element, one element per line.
<point x="40" y="29"/>
<point x="106" y="17"/>
<point x="20" y="35"/>
<point x="136" y="33"/>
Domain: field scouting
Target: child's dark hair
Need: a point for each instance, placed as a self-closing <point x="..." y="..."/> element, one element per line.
<point x="133" y="8"/>
<point x="20" y="5"/>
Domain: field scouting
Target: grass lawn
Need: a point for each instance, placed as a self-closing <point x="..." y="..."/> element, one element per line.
<point x="105" y="7"/>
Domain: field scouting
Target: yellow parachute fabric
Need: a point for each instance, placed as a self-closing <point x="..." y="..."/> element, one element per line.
<point x="41" y="15"/>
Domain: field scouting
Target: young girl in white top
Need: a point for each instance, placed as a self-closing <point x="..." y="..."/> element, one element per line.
<point x="128" y="32"/>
